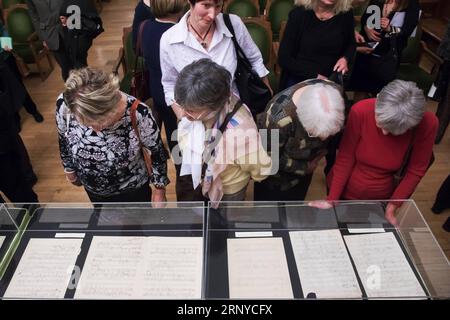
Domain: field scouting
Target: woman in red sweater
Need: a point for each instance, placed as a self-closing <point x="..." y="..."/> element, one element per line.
<point x="374" y="144"/>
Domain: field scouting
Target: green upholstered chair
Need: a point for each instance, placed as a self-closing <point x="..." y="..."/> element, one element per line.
<point x="8" y="3"/>
<point x="242" y="8"/>
<point x="26" y="43"/>
<point x="410" y="69"/>
<point x="276" y="12"/>
<point x="359" y="8"/>
<point x="261" y="34"/>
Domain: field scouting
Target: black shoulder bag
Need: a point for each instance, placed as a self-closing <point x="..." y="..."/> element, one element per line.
<point x="252" y="90"/>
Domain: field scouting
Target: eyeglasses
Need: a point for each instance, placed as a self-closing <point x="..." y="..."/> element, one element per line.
<point x="191" y="117"/>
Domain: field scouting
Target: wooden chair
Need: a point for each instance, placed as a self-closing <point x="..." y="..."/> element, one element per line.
<point x="276" y="47"/>
<point x="276" y="12"/>
<point x="242" y="8"/>
<point x="411" y="57"/>
<point x="26" y="43"/>
<point x="261" y="33"/>
<point x="126" y="60"/>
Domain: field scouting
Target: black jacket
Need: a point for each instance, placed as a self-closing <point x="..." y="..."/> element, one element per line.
<point x="410" y="23"/>
<point x="12" y="95"/>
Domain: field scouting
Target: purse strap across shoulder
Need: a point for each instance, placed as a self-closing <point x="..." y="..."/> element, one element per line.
<point x="134" y="119"/>
<point x="239" y="52"/>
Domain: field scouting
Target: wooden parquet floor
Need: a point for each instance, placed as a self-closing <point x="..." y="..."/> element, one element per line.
<point x="42" y="144"/>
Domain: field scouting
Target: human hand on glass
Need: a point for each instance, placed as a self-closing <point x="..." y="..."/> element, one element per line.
<point x="159" y="198"/>
<point x="389" y="214"/>
<point x="321" y="204"/>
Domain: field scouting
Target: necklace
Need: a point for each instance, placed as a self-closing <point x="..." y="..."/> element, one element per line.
<point x="202" y="42"/>
<point x="324" y="15"/>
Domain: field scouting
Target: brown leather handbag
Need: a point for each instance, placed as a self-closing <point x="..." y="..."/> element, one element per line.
<point x="140" y="81"/>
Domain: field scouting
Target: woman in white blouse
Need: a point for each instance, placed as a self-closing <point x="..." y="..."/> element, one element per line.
<point x="202" y="33"/>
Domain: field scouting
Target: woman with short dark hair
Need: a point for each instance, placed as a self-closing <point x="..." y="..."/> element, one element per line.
<point x="217" y="136"/>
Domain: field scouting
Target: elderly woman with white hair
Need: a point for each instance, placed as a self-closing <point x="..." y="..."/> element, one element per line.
<point x="103" y="134"/>
<point x="318" y="40"/>
<point x="377" y="137"/>
<point x="306" y="115"/>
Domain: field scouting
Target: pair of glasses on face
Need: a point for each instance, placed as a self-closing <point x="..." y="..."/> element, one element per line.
<point x="193" y="116"/>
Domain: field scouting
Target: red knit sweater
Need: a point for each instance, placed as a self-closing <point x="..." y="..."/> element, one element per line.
<point x="367" y="159"/>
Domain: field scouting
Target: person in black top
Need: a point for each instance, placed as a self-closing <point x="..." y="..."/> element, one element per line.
<point x="7" y="56"/>
<point x="50" y="20"/>
<point x="443" y="86"/>
<point x="370" y="77"/>
<point x="142" y="12"/>
<point x="77" y="42"/>
<point x="167" y="13"/>
<point x="318" y="39"/>
<point x="14" y="182"/>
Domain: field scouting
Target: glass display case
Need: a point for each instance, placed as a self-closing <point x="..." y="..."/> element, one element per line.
<point x="290" y="250"/>
<point x="240" y="250"/>
<point x="10" y="223"/>
<point x="107" y="251"/>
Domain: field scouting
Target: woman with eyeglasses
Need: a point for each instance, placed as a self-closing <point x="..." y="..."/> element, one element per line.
<point x="219" y="141"/>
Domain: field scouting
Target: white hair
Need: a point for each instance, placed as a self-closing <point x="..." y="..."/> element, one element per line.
<point x="400" y="106"/>
<point x="341" y="6"/>
<point x="321" y="110"/>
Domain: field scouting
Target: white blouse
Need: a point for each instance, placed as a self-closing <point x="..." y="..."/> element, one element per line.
<point x="179" y="47"/>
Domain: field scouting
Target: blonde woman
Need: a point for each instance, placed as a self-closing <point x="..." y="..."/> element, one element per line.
<point x="318" y="40"/>
<point x="99" y="147"/>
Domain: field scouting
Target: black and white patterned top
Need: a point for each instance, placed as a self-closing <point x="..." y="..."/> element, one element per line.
<point x="110" y="162"/>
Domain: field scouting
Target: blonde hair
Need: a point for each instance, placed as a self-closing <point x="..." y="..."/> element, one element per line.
<point x="340" y="7"/>
<point x="91" y="94"/>
<point x="164" y="8"/>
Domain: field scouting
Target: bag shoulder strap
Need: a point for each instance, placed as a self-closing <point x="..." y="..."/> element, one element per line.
<point x="133" y="117"/>
<point x="230" y="115"/>
<point x="138" y="51"/>
<point x="209" y="150"/>
<point x="239" y="52"/>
